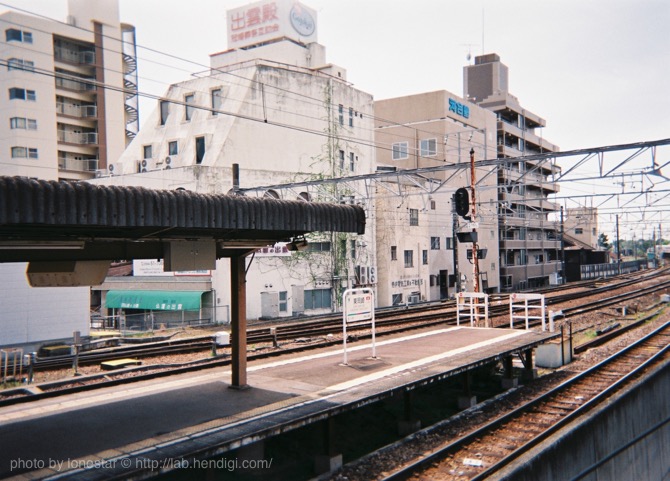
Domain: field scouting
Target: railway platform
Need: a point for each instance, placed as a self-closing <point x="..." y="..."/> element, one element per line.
<point x="147" y="427"/>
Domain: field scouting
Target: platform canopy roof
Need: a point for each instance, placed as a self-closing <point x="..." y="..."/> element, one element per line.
<point x="56" y="220"/>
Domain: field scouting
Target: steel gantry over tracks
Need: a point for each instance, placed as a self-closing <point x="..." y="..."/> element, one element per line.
<point x="69" y="233"/>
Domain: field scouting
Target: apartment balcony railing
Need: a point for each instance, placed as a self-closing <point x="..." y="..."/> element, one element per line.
<point x="517" y="244"/>
<point x="76" y="85"/>
<point x="531" y="270"/>
<point x="84" y="138"/>
<point x="78" y="165"/>
<point x="82" y="111"/>
<point x="85" y="57"/>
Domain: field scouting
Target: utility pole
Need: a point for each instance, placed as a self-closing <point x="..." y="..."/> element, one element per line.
<point x="618" y="251"/>
<point x="454" y="228"/>
<point x="473" y="210"/>
<point x="563" y="276"/>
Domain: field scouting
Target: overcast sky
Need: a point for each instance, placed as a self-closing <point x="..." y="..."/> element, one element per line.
<point x="596" y="70"/>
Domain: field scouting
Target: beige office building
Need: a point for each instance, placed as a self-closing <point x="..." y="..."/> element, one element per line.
<point x="419" y="257"/>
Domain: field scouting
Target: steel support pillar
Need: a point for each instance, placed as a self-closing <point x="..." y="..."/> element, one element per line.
<point x="238" y="334"/>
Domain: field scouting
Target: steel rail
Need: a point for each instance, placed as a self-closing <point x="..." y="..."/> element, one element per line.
<point x="421" y="464"/>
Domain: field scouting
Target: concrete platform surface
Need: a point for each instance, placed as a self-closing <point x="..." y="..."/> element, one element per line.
<point x="111" y="431"/>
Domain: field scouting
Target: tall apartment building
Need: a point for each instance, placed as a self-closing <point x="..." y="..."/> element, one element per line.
<point x="529" y="240"/>
<point x="69" y="91"/>
<point x="272" y="105"/>
<point x="61" y="123"/>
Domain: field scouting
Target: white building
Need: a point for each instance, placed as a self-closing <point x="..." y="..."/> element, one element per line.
<point x="272" y="105"/>
<point x="60" y="123"/>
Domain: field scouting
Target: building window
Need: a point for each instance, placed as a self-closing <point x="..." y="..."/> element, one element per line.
<point x="593" y="231"/>
<point x="428" y="147"/>
<point x="342" y="159"/>
<point x="189" y="108"/>
<point x="352" y="163"/>
<point x="351" y="117"/>
<point x="352" y="248"/>
<point x="283" y="301"/>
<point x="20" y="64"/>
<point x="435" y="243"/>
<point x="448" y="242"/>
<point x="394" y="253"/>
<point x="432" y="205"/>
<point x="341" y="114"/>
<point x="24" y="153"/>
<point x="217" y="100"/>
<point x="15" y="35"/>
<point x="318" y="246"/>
<point x="579" y="231"/>
<point x="317" y="299"/>
<point x="409" y="258"/>
<point x="165" y="111"/>
<point x="396" y="299"/>
<point x="173" y="147"/>
<point x="424" y="256"/>
<point x="147" y="151"/>
<point x="22" y="94"/>
<point x="22" y="123"/>
<point x="414" y="217"/>
<point x="399" y="150"/>
<point x="199" y="149"/>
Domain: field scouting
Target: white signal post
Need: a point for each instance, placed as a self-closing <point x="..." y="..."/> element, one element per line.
<point x="359" y="307"/>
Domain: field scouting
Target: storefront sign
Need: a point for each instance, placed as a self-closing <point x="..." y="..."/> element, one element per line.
<point x="459" y="109"/>
<point x="271" y="19"/>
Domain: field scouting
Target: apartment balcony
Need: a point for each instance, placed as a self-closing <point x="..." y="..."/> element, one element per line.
<point x="529" y="200"/>
<point x="79" y="111"/>
<point x="533" y="179"/>
<point x="83" y="85"/>
<point x="516" y="244"/>
<point x="74" y="56"/>
<point x="77" y="165"/>
<point x="531" y="270"/>
<point x="528" y="222"/>
<point x="81" y="138"/>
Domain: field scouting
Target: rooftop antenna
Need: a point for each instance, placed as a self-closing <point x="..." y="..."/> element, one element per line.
<point x="483" y="51"/>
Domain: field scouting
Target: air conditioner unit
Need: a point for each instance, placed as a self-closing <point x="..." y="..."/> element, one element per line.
<point x="168" y="160"/>
<point x="111" y="169"/>
<point x="414" y="299"/>
<point x="99" y="173"/>
<point x="372" y="277"/>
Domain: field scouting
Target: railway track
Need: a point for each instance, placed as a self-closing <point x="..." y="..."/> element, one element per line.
<point x="481" y="453"/>
<point x="388" y="321"/>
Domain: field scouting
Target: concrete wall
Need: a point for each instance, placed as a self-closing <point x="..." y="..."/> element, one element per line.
<point x="608" y="429"/>
<point x="34" y="314"/>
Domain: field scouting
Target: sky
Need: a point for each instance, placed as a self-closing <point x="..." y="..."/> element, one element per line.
<point x="596" y="70"/>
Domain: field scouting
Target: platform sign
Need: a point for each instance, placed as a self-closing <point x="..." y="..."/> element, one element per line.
<point x="359" y="306"/>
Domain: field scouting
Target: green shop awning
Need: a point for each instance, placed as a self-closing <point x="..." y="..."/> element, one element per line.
<point x="154" y="300"/>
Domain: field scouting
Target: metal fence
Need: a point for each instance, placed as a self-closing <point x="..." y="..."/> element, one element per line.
<point x="593" y="271"/>
<point x="148" y="321"/>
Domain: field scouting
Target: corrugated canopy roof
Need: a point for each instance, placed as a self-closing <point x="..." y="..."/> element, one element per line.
<point x="131" y="222"/>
